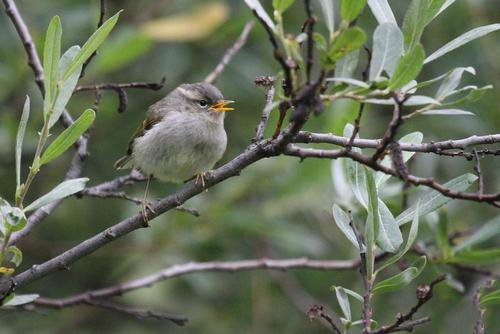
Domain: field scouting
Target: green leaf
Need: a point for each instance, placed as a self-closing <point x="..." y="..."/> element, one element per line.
<point x="346" y="66"/>
<point x="20" y="137"/>
<point x="64" y="189"/>
<point x="389" y="237"/>
<point x="65" y="87"/>
<point x="433" y="10"/>
<point x="402" y="279"/>
<point x="387" y="49"/>
<point x="414" y="23"/>
<point x="351" y="293"/>
<point x="382" y="11"/>
<point x="414" y="100"/>
<point x="282" y="5"/>
<point x="343" y="223"/>
<point x="447" y="4"/>
<point x="91" y="45"/>
<point x="14" y="217"/>
<point x="348" y="41"/>
<point x="51" y="54"/>
<point x="487" y="231"/>
<point x="343" y="302"/>
<point x="474" y="95"/>
<point x="433" y="200"/>
<point x="412" y="236"/>
<point x="256" y="6"/>
<point x="492" y="298"/>
<point x="21" y="300"/>
<point x="351" y="9"/>
<point x="451" y="82"/>
<point x="372" y="221"/>
<point x="478" y="256"/>
<point x="426" y="83"/>
<point x="350" y="81"/>
<point x="462" y="40"/>
<point x="411" y="138"/>
<point x="453" y="112"/>
<point x="329" y="14"/>
<point x="408" y="68"/>
<point x="68" y="137"/>
<point x="17" y="255"/>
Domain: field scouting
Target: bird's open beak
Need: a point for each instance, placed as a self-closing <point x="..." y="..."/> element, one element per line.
<point x="221" y="106"/>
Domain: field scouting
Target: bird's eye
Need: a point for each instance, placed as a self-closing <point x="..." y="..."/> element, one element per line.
<point x="203" y="103"/>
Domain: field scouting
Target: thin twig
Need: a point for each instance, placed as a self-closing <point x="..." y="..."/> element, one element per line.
<point x="477" y="168"/>
<point x="261" y="127"/>
<point x="390" y="133"/>
<point x="318" y="312"/>
<point x="309" y="28"/>
<point x="228" y="55"/>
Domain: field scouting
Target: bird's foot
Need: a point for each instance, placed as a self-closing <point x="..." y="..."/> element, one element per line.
<point x="145" y="207"/>
<point x="201" y="179"/>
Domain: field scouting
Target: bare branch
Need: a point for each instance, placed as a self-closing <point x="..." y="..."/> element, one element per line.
<point x="390" y="133"/>
<point x="477" y="168"/>
<point x="229" y="54"/>
<point x="318" y="312"/>
<point x="259" y="135"/>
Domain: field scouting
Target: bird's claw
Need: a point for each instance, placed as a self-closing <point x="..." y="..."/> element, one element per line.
<point x="145" y="207"/>
<point x="201" y="179"/>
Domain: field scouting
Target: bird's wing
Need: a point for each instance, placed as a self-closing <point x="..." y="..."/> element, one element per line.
<point x="150" y="120"/>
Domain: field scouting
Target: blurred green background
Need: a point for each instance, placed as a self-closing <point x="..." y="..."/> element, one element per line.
<point x="278" y="207"/>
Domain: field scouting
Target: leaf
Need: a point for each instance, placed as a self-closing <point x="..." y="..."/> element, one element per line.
<point x="20" y="137"/>
<point x="477" y="256"/>
<point x="68" y="137"/>
<point x="412" y="236"/>
<point x="343" y="223"/>
<point x="474" y="95"/>
<point x="282" y="5"/>
<point x="339" y="181"/>
<point x="487" y="231"/>
<point x="414" y="100"/>
<point x="346" y="66"/>
<point x="350" y="81"/>
<point x="382" y="11"/>
<point x="433" y="200"/>
<point x="17" y="255"/>
<point x="65" y="87"/>
<point x="372" y="221"/>
<point x="447" y="4"/>
<point x="351" y="293"/>
<point x="21" y="300"/>
<point x="422" y="84"/>
<point x="13" y="217"/>
<point x="343" y="302"/>
<point x="62" y="190"/>
<point x="402" y="279"/>
<point x="433" y="9"/>
<point x="408" y="68"/>
<point x="492" y="298"/>
<point x="454" y="112"/>
<point x="329" y="14"/>
<point x="414" y="23"/>
<point x="261" y="13"/>
<point x="462" y="40"/>
<point x="51" y="54"/>
<point x="451" y="82"/>
<point x="348" y="41"/>
<point x="411" y="138"/>
<point x="351" y="9"/>
<point x="387" y="49"/>
<point x="91" y="45"/>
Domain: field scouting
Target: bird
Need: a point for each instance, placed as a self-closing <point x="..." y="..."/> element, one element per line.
<point x="181" y="138"/>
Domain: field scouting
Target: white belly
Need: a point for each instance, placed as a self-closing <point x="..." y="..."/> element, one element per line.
<point x="180" y="147"/>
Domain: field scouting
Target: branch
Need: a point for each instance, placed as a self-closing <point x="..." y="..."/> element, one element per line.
<point x="102" y="15"/>
<point x="390" y="133"/>
<point x="318" y="312"/>
<point x="195" y="267"/>
<point x="309" y="28"/>
<point x="259" y="134"/>
<point x="228" y="55"/>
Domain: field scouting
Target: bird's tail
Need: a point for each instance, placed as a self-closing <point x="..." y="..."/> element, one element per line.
<point x="124" y="162"/>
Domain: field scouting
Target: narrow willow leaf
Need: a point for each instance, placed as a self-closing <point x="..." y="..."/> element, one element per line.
<point x="411" y="138"/>
<point x="17" y="255"/>
<point x="412" y="236"/>
<point x="91" y="45"/>
<point x="477" y="256"/>
<point x="349" y="40"/>
<point x="351" y="293"/>
<point x="68" y="137"/>
<point x="64" y="189"/>
<point x="346" y="66"/>
<point x="343" y="223"/>
<point x="256" y="6"/>
<point x="389" y="237"/>
<point x="433" y="200"/>
<point x="351" y="9"/>
<point x="372" y="221"/>
<point x="487" y="231"/>
<point x="21" y="300"/>
<point x="382" y="11"/>
<point x="474" y="95"/>
<point x="452" y="112"/>
<point x="282" y="5"/>
<point x="447" y="4"/>
<point x="20" y="137"/>
<point x="343" y="301"/>
<point x="329" y="14"/>
<point x="492" y="298"/>
<point x="451" y="82"/>
<point x="462" y="40"/>
<point x="433" y="9"/>
<point x="65" y="87"/>
<point x="387" y="49"/>
<point x="408" y="68"/>
<point x="339" y="181"/>
<point x="414" y="23"/>
<point x="415" y="100"/>
<point x="402" y="279"/>
<point x="350" y="81"/>
<point x="51" y="54"/>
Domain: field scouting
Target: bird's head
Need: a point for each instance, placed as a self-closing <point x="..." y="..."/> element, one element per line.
<point x="203" y="98"/>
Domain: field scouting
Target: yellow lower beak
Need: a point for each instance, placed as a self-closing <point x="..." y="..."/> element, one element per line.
<point x="221" y="106"/>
